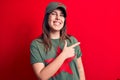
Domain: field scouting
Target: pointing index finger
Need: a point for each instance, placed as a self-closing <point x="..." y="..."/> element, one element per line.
<point x="74" y="45"/>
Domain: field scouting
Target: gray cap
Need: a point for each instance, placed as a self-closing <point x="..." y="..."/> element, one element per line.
<point x="54" y="5"/>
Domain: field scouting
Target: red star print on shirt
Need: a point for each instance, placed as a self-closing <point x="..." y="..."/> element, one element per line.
<point x="65" y="66"/>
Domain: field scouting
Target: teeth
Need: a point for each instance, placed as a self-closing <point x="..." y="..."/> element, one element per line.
<point x="56" y="23"/>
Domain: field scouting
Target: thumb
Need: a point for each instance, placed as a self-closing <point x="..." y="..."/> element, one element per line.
<point x="65" y="44"/>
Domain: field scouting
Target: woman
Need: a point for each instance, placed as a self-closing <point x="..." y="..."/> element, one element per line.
<point x="56" y="55"/>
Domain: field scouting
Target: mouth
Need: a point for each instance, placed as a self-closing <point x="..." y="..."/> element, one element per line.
<point x="57" y="23"/>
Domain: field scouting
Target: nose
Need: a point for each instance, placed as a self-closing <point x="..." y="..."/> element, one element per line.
<point x="57" y="17"/>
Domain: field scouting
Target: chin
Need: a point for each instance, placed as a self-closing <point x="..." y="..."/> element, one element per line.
<point x="56" y="29"/>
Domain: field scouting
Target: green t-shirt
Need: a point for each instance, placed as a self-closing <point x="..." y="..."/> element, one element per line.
<point x="68" y="70"/>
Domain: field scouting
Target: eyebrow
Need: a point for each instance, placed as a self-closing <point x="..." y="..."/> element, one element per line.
<point x="61" y="12"/>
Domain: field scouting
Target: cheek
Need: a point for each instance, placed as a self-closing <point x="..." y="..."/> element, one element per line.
<point x="50" y="19"/>
<point x="63" y="20"/>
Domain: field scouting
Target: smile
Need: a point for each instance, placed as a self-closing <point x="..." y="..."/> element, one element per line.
<point x="57" y="22"/>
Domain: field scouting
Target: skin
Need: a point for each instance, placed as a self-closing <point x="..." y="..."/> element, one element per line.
<point x="56" y="22"/>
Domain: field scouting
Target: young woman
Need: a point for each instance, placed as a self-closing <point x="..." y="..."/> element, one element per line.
<point x="55" y="55"/>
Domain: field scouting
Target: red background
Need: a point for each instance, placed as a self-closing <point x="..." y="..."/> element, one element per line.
<point x="95" y="23"/>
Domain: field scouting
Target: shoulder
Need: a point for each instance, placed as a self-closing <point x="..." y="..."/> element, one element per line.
<point x="37" y="41"/>
<point x="73" y="39"/>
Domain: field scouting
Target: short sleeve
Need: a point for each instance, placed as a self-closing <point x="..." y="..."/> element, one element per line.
<point x="77" y="48"/>
<point x="35" y="55"/>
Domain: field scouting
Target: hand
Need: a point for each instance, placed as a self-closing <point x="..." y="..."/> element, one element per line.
<point x="69" y="51"/>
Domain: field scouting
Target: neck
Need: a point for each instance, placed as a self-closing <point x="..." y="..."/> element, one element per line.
<point x="55" y="35"/>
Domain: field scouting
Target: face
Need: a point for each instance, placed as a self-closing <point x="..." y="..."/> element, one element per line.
<point x="56" y="20"/>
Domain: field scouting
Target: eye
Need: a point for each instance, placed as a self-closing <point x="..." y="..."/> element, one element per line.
<point x="62" y="15"/>
<point x="53" y="13"/>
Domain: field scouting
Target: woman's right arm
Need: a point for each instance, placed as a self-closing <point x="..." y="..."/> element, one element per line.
<point x="44" y="73"/>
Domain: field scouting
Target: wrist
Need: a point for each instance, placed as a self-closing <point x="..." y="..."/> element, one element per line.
<point x="63" y="55"/>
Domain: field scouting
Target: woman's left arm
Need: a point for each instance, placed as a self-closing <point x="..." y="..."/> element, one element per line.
<point x="81" y="69"/>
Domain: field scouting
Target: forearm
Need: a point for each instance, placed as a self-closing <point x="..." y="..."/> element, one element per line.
<point x="52" y="68"/>
<point x="81" y="69"/>
<point x="82" y="74"/>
